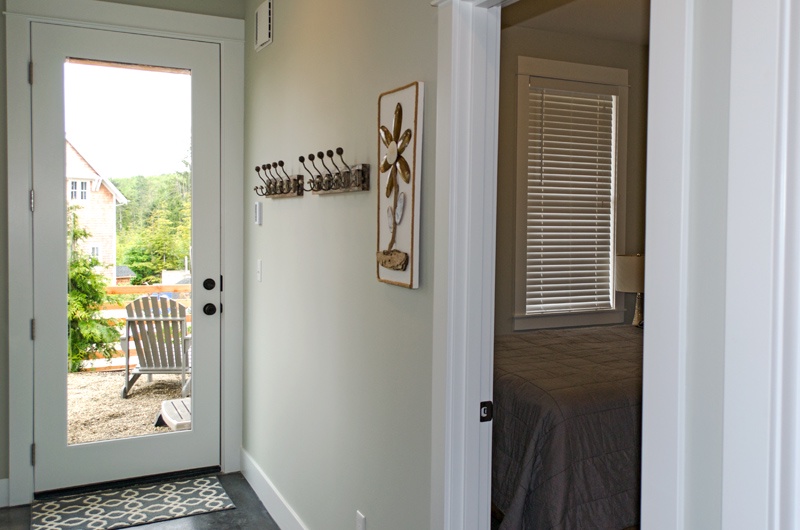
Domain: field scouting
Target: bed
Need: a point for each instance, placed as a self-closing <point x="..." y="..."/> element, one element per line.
<point x="567" y="428"/>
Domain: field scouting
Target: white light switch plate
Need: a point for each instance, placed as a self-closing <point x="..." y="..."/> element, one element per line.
<point x="259" y="213"/>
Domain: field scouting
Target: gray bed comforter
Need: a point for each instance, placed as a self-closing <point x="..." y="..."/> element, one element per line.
<point x="567" y="428"/>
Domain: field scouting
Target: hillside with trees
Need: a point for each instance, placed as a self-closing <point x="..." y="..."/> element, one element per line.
<point x="154" y="228"/>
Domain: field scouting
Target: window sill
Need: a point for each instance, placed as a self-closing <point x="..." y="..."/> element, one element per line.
<point x="566" y="320"/>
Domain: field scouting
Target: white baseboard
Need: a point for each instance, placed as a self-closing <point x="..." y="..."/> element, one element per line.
<point x="4" y="493"/>
<point x="273" y="501"/>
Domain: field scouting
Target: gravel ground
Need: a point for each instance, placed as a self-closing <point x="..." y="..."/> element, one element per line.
<point x="97" y="412"/>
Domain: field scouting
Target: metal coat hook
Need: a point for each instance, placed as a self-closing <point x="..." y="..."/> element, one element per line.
<point x="336" y="180"/>
<point x="275" y="185"/>
<point x="276" y="182"/>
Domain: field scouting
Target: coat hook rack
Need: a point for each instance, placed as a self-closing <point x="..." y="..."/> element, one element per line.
<point x="333" y="178"/>
<point x="276" y="182"/>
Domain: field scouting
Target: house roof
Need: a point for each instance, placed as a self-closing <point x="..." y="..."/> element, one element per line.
<point x="123" y="271"/>
<point x="79" y="169"/>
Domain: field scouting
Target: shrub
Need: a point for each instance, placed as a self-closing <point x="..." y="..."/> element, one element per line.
<point x="88" y="333"/>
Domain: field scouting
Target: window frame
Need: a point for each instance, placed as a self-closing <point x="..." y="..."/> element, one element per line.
<point x="78" y="190"/>
<point x="565" y="76"/>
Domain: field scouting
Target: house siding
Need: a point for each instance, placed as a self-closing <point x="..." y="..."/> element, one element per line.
<point x="96" y="207"/>
<point x="97" y="214"/>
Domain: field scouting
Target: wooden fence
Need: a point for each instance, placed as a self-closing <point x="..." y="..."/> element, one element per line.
<point x="142" y="289"/>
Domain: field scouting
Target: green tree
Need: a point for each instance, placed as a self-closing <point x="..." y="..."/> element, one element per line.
<point x="154" y="227"/>
<point x="88" y="333"/>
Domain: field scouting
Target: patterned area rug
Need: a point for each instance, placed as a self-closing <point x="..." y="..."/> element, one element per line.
<point x="131" y="506"/>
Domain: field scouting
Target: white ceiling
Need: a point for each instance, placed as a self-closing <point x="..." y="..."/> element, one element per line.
<point x="621" y="20"/>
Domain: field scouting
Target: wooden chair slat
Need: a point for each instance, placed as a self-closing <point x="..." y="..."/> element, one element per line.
<point x="157" y="327"/>
<point x="162" y="330"/>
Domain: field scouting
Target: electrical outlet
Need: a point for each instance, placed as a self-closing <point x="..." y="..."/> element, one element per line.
<point x="361" y="521"/>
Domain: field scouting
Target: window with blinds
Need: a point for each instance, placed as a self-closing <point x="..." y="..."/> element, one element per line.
<point x="569" y="201"/>
<point x="568" y="135"/>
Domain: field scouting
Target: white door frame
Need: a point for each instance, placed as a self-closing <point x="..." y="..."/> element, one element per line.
<point x="229" y="34"/>
<point x="760" y="453"/>
<point x="466" y="188"/>
<point x="464" y="265"/>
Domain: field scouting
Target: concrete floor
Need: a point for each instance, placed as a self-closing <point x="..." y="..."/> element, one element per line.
<point x="249" y="513"/>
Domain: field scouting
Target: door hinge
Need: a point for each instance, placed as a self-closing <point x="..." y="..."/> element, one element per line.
<point x="220" y="308"/>
<point x="32" y="200"/>
<point x="221" y="288"/>
<point x="487" y="411"/>
<point x="33" y="454"/>
<point x="33" y="329"/>
<point x="30" y="72"/>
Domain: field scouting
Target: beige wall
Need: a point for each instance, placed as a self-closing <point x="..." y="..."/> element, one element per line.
<point x="338" y="366"/>
<point x="226" y="8"/>
<point x="518" y="41"/>
<point x="218" y="8"/>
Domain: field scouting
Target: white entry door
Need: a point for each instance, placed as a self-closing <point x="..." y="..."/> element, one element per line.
<point x="60" y="463"/>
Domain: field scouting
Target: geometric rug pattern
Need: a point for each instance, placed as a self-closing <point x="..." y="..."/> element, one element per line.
<point x="131" y="506"/>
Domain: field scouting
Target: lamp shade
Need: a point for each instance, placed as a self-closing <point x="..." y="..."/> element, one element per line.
<point x="630" y="274"/>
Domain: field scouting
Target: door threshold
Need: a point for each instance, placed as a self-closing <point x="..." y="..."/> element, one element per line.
<point x="121" y="484"/>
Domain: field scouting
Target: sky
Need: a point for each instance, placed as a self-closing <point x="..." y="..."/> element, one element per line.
<point x="127" y="122"/>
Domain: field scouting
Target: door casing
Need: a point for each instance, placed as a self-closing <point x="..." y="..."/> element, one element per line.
<point x="763" y="32"/>
<point x="229" y="34"/>
<point x="59" y="464"/>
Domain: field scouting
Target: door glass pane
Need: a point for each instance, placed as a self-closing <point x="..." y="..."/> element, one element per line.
<point x="129" y="239"/>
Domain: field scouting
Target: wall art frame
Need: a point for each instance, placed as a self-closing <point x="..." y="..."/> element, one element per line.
<point x="400" y="113"/>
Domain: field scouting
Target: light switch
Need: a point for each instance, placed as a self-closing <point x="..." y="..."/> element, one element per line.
<point x="258" y="213"/>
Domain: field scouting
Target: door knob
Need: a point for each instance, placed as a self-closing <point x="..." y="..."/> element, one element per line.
<point x="209" y="284"/>
<point x="209" y="309"/>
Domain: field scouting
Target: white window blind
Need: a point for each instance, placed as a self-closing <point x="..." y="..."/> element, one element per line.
<point x="569" y="213"/>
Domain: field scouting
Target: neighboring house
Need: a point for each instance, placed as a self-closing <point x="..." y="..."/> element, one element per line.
<point x="97" y="199"/>
<point x="124" y="275"/>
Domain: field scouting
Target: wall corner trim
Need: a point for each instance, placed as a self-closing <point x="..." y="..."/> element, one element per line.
<point x="273" y="501"/>
<point x="4" y="493"/>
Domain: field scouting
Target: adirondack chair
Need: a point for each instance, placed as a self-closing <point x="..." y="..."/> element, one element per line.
<point x="157" y="327"/>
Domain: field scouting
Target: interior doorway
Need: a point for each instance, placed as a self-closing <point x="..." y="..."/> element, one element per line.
<point x="580" y="32"/>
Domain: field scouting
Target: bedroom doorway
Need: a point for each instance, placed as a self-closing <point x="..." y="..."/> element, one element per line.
<point x="613" y="35"/>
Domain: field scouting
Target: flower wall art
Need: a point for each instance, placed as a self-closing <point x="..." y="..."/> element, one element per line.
<point x="400" y="157"/>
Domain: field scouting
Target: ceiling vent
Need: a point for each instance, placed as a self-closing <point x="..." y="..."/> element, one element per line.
<point x="263" y="25"/>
